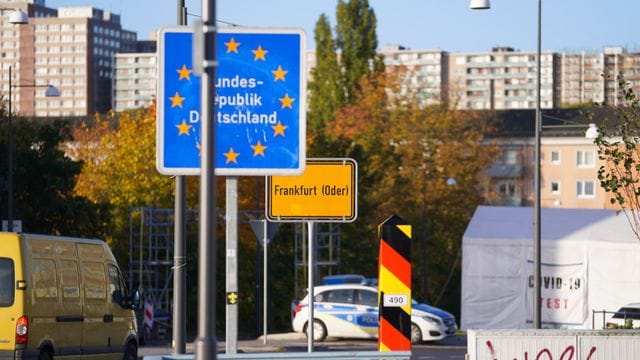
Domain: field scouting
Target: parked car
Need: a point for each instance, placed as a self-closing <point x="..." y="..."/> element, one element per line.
<point x="627" y="316"/>
<point x="343" y="279"/>
<point x="351" y="311"/>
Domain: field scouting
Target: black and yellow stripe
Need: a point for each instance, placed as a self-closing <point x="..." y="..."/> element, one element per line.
<point x="394" y="277"/>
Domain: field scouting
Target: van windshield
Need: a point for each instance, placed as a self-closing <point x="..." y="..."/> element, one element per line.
<point x="6" y="282"/>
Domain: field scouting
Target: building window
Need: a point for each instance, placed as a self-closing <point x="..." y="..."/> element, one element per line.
<point x="555" y="157"/>
<point x="506" y="187"/>
<point x="585" y="158"/>
<point x="585" y="189"/>
<point x="555" y="187"/>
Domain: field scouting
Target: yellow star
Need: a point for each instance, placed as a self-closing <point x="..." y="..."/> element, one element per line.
<point x="176" y="100"/>
<point x="232" y="46"/>
<point x="231" y="156"/>
<point x="184" y="73"/>
<point x="183" y="129"/>
<point x="258" y="149"/>
<point x="287" y="101"/>
<point x="278" y="129"/>
<point x="279" y="73"/>
<point x="232" y="297"/>
<point x="259" y="53"/>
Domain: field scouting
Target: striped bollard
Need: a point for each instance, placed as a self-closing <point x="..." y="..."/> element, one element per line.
<point x="148" y="314"/>
<point x="394" y="285"/>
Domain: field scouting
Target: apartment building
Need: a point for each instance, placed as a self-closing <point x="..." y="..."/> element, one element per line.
<point x="569" y="173"/>
<point x="71" y="48"/>
<point x="568" y="162"/>
<point x="499" y="80"/>
<point x="134" y="80"/>
<point x="584" y="77"/>
<point x="425" y="71"/>
<point x="135" y="77"/>
<point x="580" y="78"/>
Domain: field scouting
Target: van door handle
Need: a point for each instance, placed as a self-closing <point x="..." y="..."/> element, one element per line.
<point x="107" y="318"/>
<point x="70" y="318"/>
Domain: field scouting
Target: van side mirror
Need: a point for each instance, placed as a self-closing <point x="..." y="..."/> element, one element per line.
<point x="135" y="300"/>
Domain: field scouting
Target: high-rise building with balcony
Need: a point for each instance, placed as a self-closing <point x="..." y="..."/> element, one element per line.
<point x="500" y="79"/>
<point x="425" y="71"/>
<point x="134" y="80"/>
<point x="593" y="77"/>
<point x="71" y="48"/>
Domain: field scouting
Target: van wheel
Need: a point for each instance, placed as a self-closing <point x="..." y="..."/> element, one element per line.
<point x="131" y="352"/>
<point x="319" y="331"/>
<point x="45" y="354"/>
<point x="416" y="334"/>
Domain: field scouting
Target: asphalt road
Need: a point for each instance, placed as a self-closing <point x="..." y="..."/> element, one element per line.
<point x="453" y="348"/>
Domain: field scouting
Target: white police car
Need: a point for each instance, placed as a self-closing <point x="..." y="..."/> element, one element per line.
<point x="351" y="311"/>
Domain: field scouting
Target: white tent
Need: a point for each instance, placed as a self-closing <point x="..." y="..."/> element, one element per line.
<point x="590" y="261"/>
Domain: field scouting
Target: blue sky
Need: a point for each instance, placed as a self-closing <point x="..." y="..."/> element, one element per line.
<point x="567" y="25"/>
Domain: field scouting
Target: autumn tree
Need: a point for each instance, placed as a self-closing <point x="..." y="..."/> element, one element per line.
<point x="119" y="170"/>
<point x="618" y="148"/>
<point x="406" y="154"/>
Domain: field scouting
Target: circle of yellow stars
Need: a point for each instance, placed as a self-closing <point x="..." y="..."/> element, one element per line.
<point x="279" y="74"/>
<point x="260" y="54"/>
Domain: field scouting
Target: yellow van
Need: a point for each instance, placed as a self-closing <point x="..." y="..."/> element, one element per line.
<point x="63" y="297"/>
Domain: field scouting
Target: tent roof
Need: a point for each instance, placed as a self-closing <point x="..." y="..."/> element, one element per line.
<point x="497" y="223"/>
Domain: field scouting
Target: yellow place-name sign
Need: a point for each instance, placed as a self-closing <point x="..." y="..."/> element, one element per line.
<point x="326" y="191"/>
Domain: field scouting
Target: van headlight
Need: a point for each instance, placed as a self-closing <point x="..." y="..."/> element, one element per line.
<point x="431" y="319"/>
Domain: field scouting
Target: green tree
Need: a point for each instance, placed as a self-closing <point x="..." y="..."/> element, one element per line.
<point x="358" y="42"/>
<point x="340" y="64"/>
<point x="43" y="180"/>
<point x="326" y="93"/>
<point x="619" y="151"/>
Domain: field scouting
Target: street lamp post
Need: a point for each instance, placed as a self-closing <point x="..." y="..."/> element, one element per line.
<point x="51" y="91"/>
<point x="591" y="133"/>
<point x="537" y="252"/>
<point x="17" y="17"/>
<point x="485" y="4"/>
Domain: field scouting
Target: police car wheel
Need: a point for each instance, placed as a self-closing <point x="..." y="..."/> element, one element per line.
<point x="416" y="334"/>
<point x="319" y="330"/>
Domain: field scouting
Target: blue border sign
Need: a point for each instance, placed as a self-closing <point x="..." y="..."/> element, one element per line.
<point x="259" y="105"/>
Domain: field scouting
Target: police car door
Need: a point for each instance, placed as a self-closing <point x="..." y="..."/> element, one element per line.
<point x="366" y="314"/>
<point x="336" y="310"/>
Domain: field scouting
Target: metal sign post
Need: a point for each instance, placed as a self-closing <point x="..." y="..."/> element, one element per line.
<point x="265" y="231"/>
<point x="311" y="282"/>
<point x="327" y="191"/>
<point x="205" y="344"/>
<point x="264" y="280"/>
<point x="231" y="309"/>
<point x="180" y="245"/>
